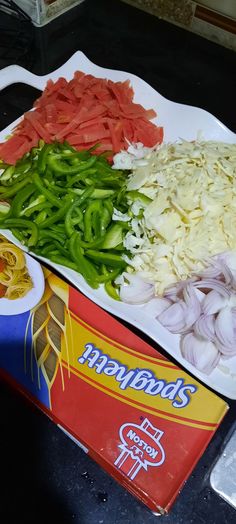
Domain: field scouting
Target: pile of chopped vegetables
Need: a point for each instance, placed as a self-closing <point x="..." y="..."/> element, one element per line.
<point x="187" y="212"/>
<point x="159" y="223"/>
<point x="203" y="311"/>
<point x="61" y="203"/>
<point x="183" y="244"/>
<point x="84" y="111"/>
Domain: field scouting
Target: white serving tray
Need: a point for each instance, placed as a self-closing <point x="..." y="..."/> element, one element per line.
<point x="179" y="121"/>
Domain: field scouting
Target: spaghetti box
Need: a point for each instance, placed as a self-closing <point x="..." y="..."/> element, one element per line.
<point x="141" y="417"/>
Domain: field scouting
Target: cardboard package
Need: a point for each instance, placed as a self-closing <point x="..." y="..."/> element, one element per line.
<point x="141" y="417"/>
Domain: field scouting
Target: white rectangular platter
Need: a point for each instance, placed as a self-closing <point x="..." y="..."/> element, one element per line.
<point x="179" y="121"/>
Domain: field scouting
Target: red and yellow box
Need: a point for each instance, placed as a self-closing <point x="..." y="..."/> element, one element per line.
<point x="141" y="417"/>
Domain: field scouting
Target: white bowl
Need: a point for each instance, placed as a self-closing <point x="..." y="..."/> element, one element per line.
<point x="34" y="295"/>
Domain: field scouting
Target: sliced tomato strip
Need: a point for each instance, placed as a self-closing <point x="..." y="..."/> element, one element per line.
<point x="83" y="111"/>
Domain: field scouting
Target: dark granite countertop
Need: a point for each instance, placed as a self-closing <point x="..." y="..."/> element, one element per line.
<point x="45" y="476"/>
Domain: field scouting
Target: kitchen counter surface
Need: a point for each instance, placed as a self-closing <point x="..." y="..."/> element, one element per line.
<point x="46" y="477"/>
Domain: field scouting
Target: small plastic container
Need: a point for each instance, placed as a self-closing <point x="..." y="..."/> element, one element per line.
<point x="43" y="11"/>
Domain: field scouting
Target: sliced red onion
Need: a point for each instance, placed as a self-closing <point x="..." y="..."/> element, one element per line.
<point x="227" y="263"/>
<point x="181" y="315"/>
<point x="228" y="275"/>
<point x="228" y="258"/>
<point x="202" y="354"/>
<point x="160" y="304"/>
<point x="191" y="300"/>
<point x="225" y="332"/>
<point x="173" y="318"/>
<point x="213" y="302"/>
<point x="206" y="319"/>
<point x="213" y="284"/>
<point x="213" y="271"/>
<point x="205" y="327"/>
<point x="226" y="352"/>
<point x="233" y="311"/>
<point x="175" y="292"/>
<point x="136" y="291"/>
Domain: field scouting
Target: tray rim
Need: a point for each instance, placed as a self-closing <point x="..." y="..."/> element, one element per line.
<point x="131" y="314"/>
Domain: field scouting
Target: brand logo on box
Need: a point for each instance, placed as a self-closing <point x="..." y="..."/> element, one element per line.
<point x="140" y="448"/>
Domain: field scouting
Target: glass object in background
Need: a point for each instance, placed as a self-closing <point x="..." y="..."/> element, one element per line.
<point x="43" y="11"/>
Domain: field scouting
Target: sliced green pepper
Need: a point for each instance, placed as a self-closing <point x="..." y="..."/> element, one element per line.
<point x="48" y="194"/>
<point x="90" y="221"/>
<point x="109" y="259"/>
<point x="20" y="198"/>
<point x="136" y="195"/>
<point x="58" y="215"/>
<point x="113" y="237"/>
<point x="111" y="290"/>
<point x="63" y="261"/>
<point x="63" y="168"/>
<point x="23" y="224"/>
<point x="43" y="157"/>
<point x="85" y="268"/>
<point x="41" y="217"/>
<point x="69" y="226"/>
<point x="13" y="190"/>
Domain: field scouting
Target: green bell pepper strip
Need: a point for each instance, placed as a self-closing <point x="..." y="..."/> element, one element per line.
<point x="23" y="166"/>
<point x="63" y="261"/>
<point x="109" y="276"/>
<point x="13" y="190"/>
<point x="84" y="267"/>
<point x="57" y="216"/>
<point x="109" y="205"/>
<point x="48" y="194"/>
<point x="43" y="157"/>
<point x="69" y="226"/>
<point x="96" y="194"/>
<point x="87" y="193"/>
<point x="8" y="173"/>
<point x="4" y="166"/>
<point x="63" y="251"/>
<point x="91" y="245"/>
<point x="18" y="234"/>
<point x="113" y="237"/>
<point x="136" y="195"/>
<point x="20" y="198"/>
<point x="105" y="220"/>
<point x="23" y="224"/>
<point x="45" y="251"/>
<point x="94" y="208"/>
<point x="4" y="209"/>
<point x="41" y="217"/>
<point x="58" y="189"/>
<point x="17" y="179"/>
<point x="80" y="176"/>
<point x="58" y="228"/>
<point x="48" y="235"/>
<point x="63" y="168"/>
<point x="111" y="290"/>
<point x="76" y="221"/>
<point x="51" y="253"/>
<point x="109" y="259"/>
<point x="96" y="224"/>
<point x="33" y="201"/>
<point x="37" y="207"/>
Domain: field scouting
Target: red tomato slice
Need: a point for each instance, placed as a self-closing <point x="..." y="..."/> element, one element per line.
<point x="103" y="109"/>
